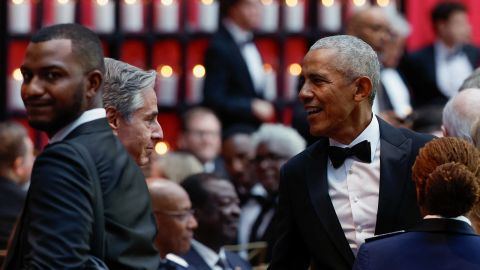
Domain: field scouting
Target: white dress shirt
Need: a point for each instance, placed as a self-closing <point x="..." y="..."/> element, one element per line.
<point x="249" y="213"/>
<point x="452" y="68"/>
<point x="86" y="116"/>
<point x="460" y="218"/>
<point x="208" y="255"/>
<point x="250" y="54"/>
<point x="396" y="91"/>
<point x="354" y="189"/>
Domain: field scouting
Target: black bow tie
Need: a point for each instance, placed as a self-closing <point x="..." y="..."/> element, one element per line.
<point x="338" y="155"/>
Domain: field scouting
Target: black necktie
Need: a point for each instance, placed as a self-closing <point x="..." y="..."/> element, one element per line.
<point x="338" y="155"/>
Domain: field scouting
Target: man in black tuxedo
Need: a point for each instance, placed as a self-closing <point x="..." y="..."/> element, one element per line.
<point x="436" y="72"/>
<point x="331" y="198"/>
<point x="234" y="82"/>
<point x="64" y="224"/>
<point x="217" y="210"/>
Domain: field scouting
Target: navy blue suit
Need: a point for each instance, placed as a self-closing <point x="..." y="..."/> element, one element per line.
<point x="228" y="88"/>
<point x="420" y="72"/>
<point x="196" y="261"/>
<point x="434" y="244"/>
<point x="309" y="231"/>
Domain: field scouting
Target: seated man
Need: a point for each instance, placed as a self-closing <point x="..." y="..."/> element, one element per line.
<point x="217" y="211"/>
<point x="175" y="221"/>
<point x="16" y="161"/>
<point x="131" y="105"/>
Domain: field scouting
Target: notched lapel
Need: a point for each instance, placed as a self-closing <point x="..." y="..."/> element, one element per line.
<point x="317" y="184"/>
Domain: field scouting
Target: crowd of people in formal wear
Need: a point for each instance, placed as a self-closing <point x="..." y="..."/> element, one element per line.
<point x="380" y="168"/>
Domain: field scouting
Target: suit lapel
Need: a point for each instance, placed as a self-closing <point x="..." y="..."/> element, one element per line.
<point x="394" y="149"/>
<point x="317" y="184"/>
<point x="195" y="261"/>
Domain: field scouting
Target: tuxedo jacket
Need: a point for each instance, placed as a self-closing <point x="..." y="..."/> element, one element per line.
<point x="12" y="197"/>
<point x="419" y="69"/>
<point x="196" y="262"/>
<point x="228" y="86"/>
<point x="56" y="225"/>
<point x="309" y="231"/>
<point x="434" y="244"/>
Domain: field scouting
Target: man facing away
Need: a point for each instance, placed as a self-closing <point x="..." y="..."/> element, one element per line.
<point x="331" y="198"/>
<point x="131" y="104"/>
<point x="61" y="224"/>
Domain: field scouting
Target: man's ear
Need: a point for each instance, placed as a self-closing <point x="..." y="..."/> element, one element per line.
<point x="363" y="88"/>
<point x="94" y="83"/>
<point x="18" y="167"/>
<point x="113" y="118"/>
<point x="444" y="131"/>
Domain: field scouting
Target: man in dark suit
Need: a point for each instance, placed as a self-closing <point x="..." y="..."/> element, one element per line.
<point x="16" y="161"/>
<point x="331" y="197"/>
<point x="436" y="72"/>
<point x="67" y="222"/>
<point x="217" y="211"/>
<point x="234" y="81"/>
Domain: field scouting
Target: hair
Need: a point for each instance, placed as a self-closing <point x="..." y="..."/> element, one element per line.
<point x="354" y="58"/>
<point x="444" y="10"/>
<point x="192" y="112"/>
<point x="285" y="141"/>
<point x="226" y="5"/>
<point x="124" y="85"/>
<point x="472" y="81"/>
<point x="195" y="187"/>
<point x="86" y="46"/>
<point x="476" y="133"/>
<point x="446" y="174"/>
<point x="176" y="166"/>
<point x="237" y="129"/>
<point x="460" y="113"/>
<point x="12" y="146"/>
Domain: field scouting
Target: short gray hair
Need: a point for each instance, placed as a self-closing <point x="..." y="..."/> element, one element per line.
<point x="461" y="112"/>
<point x="472" y="81"/>
<point x="354" y="58"/>
<point x="286" y="141"/>
<point x="123" y="86"/>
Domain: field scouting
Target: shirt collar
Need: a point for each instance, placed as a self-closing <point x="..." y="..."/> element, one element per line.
<point x="460" y="218"/>
<point x="371" y="133"/>
<point x="210" y="257"/>
<point x="442" y="51"/>
<point x="86" y="116"/>
<point x="239" y="35"/>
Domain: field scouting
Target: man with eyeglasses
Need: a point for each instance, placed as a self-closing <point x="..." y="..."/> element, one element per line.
<point x="174" y="215"/>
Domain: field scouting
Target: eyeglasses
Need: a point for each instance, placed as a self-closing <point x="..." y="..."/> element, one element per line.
<point x="179" y="215"/>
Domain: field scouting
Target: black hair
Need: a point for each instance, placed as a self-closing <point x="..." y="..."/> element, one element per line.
<point x="444" y="10"/>
<point x="195" y="187"/>
<point x="86" y="45"/>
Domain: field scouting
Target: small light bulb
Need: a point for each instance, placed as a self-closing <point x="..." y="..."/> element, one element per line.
<point x="295" y="69"/>
<point x="162" y="148"/>
<point x="267" y="2"/>
<point x="207" y="2"/>
<point x="291" y="3"/>
<point x="102" y="2"/>
<point x="198" y="71"/>
<point x="359" y="3"/>
<point x="17" y="75"/>
<point x="18" y="2"/>
<point x="166" y="71"/>
<point x="328" y="3"/>
<point x="130" y="2"/>
<point x="383" y="3"/>
<point x="63" y="2"/>
<point x="166" y="2"/>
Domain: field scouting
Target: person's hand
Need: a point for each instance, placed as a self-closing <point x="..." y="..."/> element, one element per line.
<point x="263" y="110"/>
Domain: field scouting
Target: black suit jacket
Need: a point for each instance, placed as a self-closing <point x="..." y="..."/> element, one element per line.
<point x="309" y="230"/>
<point x="12" y="197"/>
<point x="228" y="87"/>
<point x="420" y="71"/>
<point x="56" y="225"/>
<point x="196" y="262"/>
<point x="433" y="244"/>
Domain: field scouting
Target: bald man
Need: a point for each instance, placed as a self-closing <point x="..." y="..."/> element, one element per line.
<point x="175" y="221"/>
<point x="370" y="25"/>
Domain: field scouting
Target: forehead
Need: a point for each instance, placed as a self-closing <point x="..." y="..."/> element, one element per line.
<point x="204" y="121"/>
<point x="57" y="52"/>
<point x="149" y="101"/>
<point x="319" y="60"/>
<point x="220" y="188"/>
<point x="173" y="200"/>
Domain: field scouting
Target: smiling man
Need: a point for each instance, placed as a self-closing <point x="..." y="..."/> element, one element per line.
<point x="331" y="198"/>
<point x="131" y="105"/>
<point x="66" y="222"/>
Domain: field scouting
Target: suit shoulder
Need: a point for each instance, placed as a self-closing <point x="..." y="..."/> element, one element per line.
<point x="384" y="236"/>
<point x="420" y="138"/>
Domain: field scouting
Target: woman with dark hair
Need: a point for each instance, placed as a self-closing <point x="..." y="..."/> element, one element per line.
<point x="447" y="178"/>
